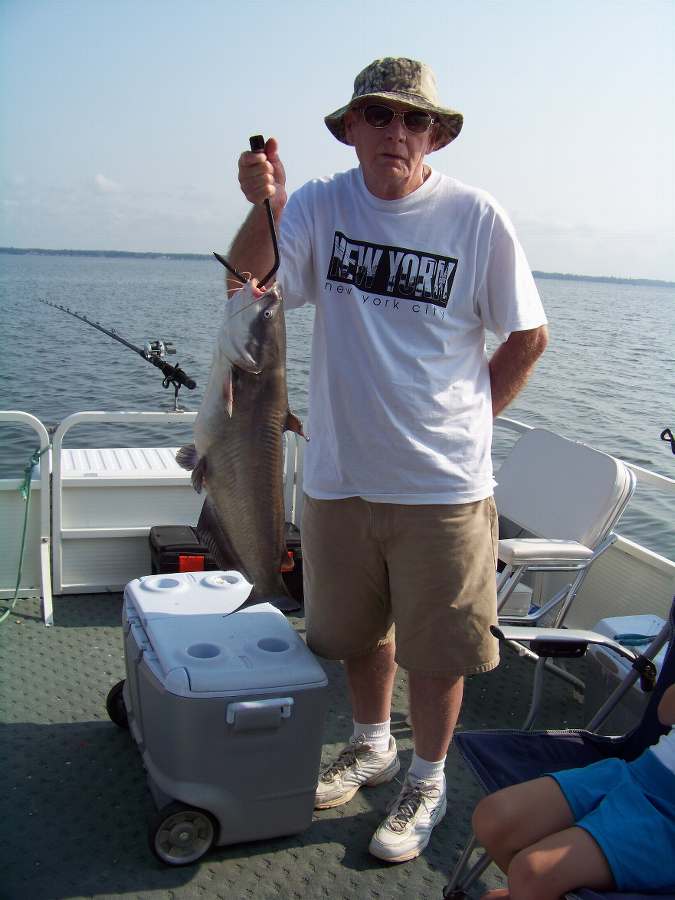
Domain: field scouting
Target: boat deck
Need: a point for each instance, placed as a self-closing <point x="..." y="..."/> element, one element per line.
<point x="75" y="804"/>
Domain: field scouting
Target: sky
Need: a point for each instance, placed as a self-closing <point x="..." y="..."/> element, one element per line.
<point x="122" y="120"/>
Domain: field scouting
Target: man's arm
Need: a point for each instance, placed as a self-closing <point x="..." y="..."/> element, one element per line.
<point x="261" y="177"/>
<point x="512" y="364"/>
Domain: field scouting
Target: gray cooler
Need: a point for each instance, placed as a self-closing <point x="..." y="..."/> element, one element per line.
<point x="226" y="706"/>
<point x="606" y="670"/>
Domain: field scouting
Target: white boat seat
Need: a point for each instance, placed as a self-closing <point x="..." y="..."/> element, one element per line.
<point x="561" y="500"/>
<point x="552" y="487"/>
<point x="541" y="551"/>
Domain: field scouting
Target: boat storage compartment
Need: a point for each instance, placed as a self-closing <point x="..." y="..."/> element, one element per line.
<point x="226" y="706"/>
<point x="605" y="670"/>
<point x="176" y="548"/>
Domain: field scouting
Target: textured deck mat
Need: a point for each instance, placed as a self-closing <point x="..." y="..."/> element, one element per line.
<point x="74" y="804"/>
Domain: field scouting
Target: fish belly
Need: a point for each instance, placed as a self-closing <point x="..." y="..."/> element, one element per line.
<point x="242" y="521"/>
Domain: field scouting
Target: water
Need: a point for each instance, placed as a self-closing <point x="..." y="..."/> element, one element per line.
<point x="606" y="378"/>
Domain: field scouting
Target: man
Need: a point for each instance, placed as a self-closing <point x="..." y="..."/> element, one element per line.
<point x="406" y="268"/>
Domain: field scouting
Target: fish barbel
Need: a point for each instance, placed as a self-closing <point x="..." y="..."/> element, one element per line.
<point x="238" y="451"/>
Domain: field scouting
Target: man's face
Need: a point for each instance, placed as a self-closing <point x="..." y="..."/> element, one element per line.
<point x="392" y="158"/>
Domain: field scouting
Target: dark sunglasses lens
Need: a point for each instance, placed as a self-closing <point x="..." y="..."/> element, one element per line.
<point x="417" y="121"/>
<point x="378" y="116"/>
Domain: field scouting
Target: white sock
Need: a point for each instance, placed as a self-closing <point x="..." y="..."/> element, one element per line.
<point x="427" y="771"/>
<point x="377" y="735"/>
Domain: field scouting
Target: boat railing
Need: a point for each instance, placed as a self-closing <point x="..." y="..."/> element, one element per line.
<point x="35" y="578"/>
<point x="104" y="501"/>
<point x="645" y="476"/>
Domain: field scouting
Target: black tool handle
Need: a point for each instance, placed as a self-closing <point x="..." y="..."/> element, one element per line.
<point x="257" y="142"/>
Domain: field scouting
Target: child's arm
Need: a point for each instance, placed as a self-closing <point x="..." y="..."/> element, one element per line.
<point x="666" y="707"/>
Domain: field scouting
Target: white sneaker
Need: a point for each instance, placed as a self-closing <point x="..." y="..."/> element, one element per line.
<point x="406" y="831"/>
<point x="356" y="766"/>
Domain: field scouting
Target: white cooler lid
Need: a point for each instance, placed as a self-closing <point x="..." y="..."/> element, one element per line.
<point x="253" y="649"/>
<point x="617" y="627"/>
<point x="187" y="594"/>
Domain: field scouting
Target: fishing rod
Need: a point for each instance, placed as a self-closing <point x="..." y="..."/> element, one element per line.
<point x="153" y="352"/>
<point x="257" y="142"/>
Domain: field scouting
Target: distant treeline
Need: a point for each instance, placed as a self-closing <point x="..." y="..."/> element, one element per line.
<point x="604" y="278"/>
<point x="113" y="254"/>
<point x="130" y="254"/>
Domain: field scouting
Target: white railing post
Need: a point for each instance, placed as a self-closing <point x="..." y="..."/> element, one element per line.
<point x="17" y="417"/>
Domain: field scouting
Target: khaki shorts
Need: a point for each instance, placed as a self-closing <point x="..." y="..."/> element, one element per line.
<point x="428" y="570"/>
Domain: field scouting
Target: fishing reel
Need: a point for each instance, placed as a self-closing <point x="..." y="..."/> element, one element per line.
<point x="156" y="353"/>
<point x="158" y="349"/>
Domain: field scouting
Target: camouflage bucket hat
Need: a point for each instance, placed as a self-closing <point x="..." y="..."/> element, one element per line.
<point x="406" y="81"/>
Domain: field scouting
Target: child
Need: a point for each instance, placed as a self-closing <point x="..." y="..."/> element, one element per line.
<point x="608" y="826"/>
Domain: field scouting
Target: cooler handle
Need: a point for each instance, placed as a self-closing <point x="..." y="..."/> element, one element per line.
<point x="254" y="715"/>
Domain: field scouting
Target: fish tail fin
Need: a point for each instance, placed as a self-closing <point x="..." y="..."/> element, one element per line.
<point x="283" y="602"/>
<point x="274" y="590"/>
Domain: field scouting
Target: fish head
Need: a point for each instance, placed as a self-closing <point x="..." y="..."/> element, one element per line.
<point x="253" y="319"/>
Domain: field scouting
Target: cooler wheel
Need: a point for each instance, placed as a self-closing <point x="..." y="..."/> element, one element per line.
<point x="115" y="705"/>
<point x="180" y="834"/>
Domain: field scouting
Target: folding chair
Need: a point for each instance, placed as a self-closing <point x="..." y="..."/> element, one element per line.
<point x="499" y="758"/>
<point x="558" y="501"/>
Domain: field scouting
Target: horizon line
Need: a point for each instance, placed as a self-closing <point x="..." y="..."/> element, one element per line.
<point x="46" y="251"/>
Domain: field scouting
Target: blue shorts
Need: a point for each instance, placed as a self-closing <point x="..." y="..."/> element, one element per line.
<point x="629" y="810"/>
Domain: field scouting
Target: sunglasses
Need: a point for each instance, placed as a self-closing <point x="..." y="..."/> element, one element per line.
<point x="415" y="120"/>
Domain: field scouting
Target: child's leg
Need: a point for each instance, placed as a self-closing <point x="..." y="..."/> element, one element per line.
<point x="558" y="863"/>
<point x="519" y="816"/>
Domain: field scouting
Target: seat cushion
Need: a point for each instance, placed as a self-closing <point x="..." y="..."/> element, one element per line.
<point x="522" y="551"/>
<point x="500" y="758"/>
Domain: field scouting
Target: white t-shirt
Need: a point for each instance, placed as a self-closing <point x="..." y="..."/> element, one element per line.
<point x="400" y="407"/>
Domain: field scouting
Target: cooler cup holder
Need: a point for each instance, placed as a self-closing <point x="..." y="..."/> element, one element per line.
<point x="273" y="645"/>
<point x="224" y="580"/>
<point x="163" y="583"/>
<point x="203" y="651"/>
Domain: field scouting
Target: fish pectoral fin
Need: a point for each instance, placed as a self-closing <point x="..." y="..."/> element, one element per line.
<point x="187" y="457"/>
<point x="293" y="423"/>
<point x="199" y="475"/>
